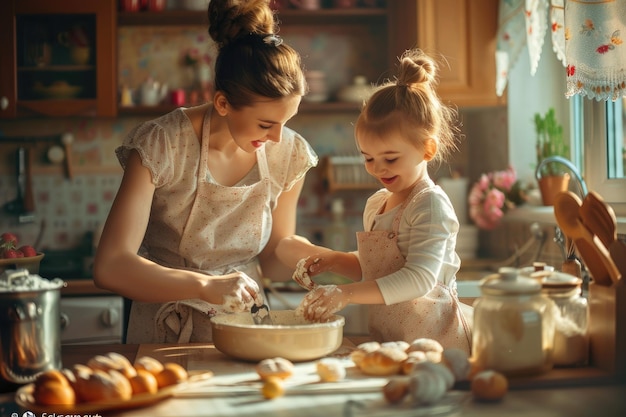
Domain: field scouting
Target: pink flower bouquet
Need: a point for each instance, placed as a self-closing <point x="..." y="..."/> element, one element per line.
<point x="492" y="195"/>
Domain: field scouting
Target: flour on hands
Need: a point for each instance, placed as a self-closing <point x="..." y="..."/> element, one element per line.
<point x="321" y="303"/>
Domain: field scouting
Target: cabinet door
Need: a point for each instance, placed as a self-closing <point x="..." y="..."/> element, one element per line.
<point x="59" y="58"/>
<point x="462" y="33"/>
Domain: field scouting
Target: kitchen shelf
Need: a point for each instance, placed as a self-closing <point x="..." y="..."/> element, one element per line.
<point x="305" y="107"/>
<point x="290" y="16"/>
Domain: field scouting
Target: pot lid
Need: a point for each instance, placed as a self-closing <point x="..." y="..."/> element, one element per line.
<point x="508" y="281"/>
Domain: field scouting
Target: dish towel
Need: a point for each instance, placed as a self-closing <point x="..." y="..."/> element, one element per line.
<point x="520" y="23"/>
<point x="594" y="48"/>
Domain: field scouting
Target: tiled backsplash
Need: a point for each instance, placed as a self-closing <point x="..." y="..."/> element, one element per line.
<point x="64" y="210"/>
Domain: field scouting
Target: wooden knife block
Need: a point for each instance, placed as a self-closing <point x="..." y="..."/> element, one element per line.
<point x="607" y="327"/>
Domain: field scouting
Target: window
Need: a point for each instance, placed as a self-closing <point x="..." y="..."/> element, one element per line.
<point x="600" y="147"/>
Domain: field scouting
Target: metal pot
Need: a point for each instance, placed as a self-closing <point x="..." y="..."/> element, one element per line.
<point x="30" y="326"/>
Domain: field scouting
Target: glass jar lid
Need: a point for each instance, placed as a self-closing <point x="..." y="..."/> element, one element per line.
<point x="508" y="282"/>
<point x="560" y="280"/>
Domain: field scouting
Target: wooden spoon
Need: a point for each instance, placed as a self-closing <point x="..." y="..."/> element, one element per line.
<point x="599" y="217"/>
<point x="594" y="254"/>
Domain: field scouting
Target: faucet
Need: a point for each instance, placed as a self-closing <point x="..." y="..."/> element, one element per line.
<point x="581" y="182"/>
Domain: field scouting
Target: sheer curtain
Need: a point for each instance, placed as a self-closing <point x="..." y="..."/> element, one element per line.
<point x="586" y="37"/>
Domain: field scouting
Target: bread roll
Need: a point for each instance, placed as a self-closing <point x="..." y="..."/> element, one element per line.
<point x="361" y="350"/>
<point x="53" y="388"/>
<point x="430" y="347"/>
<point x="149" y="364"/>
<point x="412" y="359"/>
<point x="102" y="386"/>
<point x="275" y="367"/>
<point x="330" y="369"/>
<point x="396" y="390"/>
<point x="171" y="374"/>
<point x="54" y="393"/>
<point x="489" y="386"/>
<point x="143" y="382"/>
<point x="382" y="362"/>
<point x="122" y="364"/>
<point x="112" y="361"/>
<point x="399" y="344"/>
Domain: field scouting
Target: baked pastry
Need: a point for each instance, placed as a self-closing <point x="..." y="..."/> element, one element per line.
<point x="143" y="382"/>
<point x="430" y="347"/>
<point x="396" y="390"/>
<point x="489" y="386"/>
<point x="382" y="362"/>
<point x="361" y="350"/>
<point x="457" y="361"/>
<point x="53" y="388"/>
<point x="331" y="369"/>
<point x="278" y="367"/>
<point x="112" y="361"/>
<point x="412" y="359"/>
<point x="172" y="373"/>
<point x="102" y="386"/>
<point x="149" y="364"/>
<point x="399" y="344"/>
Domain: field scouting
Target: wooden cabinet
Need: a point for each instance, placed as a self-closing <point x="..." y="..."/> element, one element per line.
<point x="58" y="58"/>
<point x="463" y="33"/>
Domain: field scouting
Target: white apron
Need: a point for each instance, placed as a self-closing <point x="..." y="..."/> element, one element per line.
<point x="436" y="315"/>
<point x="238" y="227"/>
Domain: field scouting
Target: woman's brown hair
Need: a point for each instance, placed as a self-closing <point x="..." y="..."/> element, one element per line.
<point x="252" y="59"/>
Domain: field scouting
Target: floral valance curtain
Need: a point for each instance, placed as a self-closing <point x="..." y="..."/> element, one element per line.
<point x="586" y="37"/>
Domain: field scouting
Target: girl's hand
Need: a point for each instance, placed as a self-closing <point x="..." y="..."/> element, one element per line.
<point x="302" y="273"/>
<point x="321" y="303"/>
<point x="311" y="266"/>
<point x="236" y="292"/>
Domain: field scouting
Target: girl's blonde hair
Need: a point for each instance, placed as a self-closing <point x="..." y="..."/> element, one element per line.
<point x="410" y="105"/>
<point x="252" y="59"/>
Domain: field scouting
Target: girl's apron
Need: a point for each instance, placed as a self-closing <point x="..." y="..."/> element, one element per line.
<point x="237" y="222"/>
<point x="436" y="315"/>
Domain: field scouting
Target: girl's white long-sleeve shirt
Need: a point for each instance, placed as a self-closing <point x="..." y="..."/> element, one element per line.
<point x="426" y="238"/>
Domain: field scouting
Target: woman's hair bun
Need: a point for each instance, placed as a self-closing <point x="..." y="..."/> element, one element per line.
<point x="230" y="20"/>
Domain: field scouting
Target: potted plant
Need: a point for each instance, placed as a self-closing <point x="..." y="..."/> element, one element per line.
<point x="550" y="145"/>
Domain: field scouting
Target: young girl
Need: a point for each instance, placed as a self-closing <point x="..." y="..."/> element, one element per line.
<point x="406" y="261"/>
<point x="209" y="191"/>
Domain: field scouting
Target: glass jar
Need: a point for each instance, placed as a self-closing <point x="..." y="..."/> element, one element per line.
<point x="571" y="315"/>
<point x="513" y="325"/>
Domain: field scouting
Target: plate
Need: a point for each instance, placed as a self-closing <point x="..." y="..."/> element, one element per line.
<point x="57" y="90"/>
<point x="24" y="398"/>
<point x="31" y="263"/>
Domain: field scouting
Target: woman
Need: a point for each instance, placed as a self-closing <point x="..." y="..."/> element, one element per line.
<point x="209" y="191"/>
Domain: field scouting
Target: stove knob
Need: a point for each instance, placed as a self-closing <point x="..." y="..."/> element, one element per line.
<point x="65" y="321"/>
<point x="110" y="317"/>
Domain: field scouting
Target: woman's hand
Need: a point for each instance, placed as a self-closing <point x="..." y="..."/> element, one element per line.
<point x="321" y="303"/>
<point x="236" y="292"/>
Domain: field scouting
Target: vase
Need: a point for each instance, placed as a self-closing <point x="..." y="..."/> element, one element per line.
<point x="551" y="185"/>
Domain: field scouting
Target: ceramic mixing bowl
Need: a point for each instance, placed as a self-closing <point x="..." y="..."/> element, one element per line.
<point x="290" y="336"/>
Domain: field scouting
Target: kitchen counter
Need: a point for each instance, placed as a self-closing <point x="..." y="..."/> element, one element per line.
<point x="594" y="393"/>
